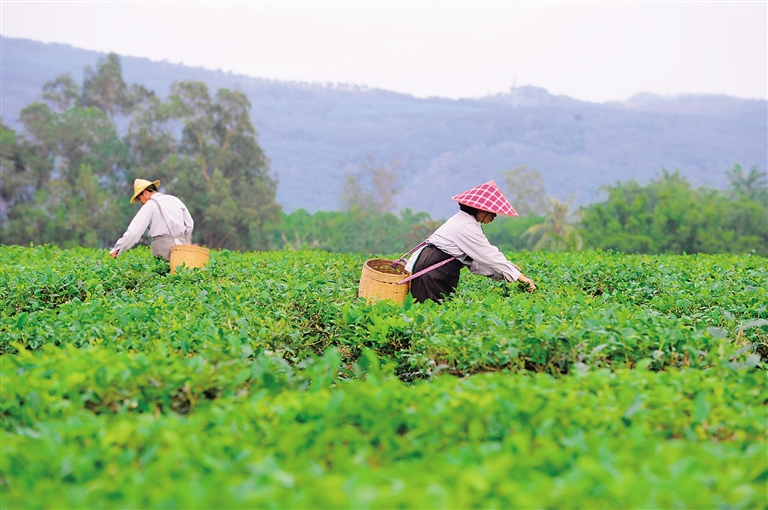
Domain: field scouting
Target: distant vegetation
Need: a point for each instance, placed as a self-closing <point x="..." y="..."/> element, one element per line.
<point x="66" y="179"/>
<point x="668" y="215"/>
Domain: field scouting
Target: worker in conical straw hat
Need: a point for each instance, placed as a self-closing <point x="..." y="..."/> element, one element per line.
<point x="462" y="238"/>
<point x="166" y="216"/>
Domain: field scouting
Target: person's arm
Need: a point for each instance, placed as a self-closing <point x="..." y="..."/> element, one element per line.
<point x="472" y="241"/>
<point x="135" y="230"/>
<point x="481" y="270"/>
<point x="487" y="260"/>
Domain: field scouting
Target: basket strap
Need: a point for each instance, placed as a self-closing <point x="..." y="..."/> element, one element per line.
<point x="402" y="259"/>
<point x="182" y="237"/>
<point x="424" y="271"/>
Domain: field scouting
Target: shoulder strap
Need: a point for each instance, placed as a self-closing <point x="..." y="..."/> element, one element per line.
<point x="162" y="216"/>
<point x="426" y="270"/>
<point x="402" y="259"/>
<point x="423" y="271"/>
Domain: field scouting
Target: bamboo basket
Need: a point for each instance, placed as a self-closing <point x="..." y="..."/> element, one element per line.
<point x="191" y="256"/>
<point x="379" y="281"/>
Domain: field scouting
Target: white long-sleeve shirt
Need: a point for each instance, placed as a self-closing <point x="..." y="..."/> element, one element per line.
<point x="462" y="238"/>
<point x="176" y="215"/>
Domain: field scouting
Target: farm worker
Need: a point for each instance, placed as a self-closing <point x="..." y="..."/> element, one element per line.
<point x="166" y="216"/>
<point x="462" y="238"/>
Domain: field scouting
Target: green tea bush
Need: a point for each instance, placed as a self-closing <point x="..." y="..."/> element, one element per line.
<point x="596" y="308"/>
<point x="264" y="381"/>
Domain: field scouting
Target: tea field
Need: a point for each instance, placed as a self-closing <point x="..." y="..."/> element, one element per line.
<point x="264" y="381"/>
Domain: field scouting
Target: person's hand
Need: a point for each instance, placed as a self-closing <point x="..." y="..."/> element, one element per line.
<point x="114" y="254"/>
<point x="530" y="286"/>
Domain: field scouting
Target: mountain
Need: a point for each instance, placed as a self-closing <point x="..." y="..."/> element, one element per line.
<point x="314" y="133"/>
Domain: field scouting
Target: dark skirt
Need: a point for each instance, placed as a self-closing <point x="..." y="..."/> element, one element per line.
<point x="438" y="283"/>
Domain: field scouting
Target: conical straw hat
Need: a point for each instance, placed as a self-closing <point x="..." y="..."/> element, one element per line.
<point x="140" y="185"/>
<point x="486" y="197"/>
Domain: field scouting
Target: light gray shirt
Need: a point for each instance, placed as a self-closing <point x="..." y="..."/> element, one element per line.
<point x="179" y="222"/>
<point x="462" y="237"/>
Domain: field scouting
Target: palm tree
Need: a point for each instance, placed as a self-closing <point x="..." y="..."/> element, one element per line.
<point x="751" y="186"/>
<point x="555" y="233"/>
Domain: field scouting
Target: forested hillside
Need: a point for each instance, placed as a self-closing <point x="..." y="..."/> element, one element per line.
<point x="313" y="134"/>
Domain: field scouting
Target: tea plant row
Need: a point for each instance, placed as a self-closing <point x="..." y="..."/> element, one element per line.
<point x="599" y="309"/>
<point x="94" y="427"/>
<point x="264" y="381"/>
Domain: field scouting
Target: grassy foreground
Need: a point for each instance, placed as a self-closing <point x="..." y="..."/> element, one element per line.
<point x="263" y="381"/>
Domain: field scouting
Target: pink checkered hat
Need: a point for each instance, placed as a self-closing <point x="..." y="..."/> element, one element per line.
<point x="486" y="197"/>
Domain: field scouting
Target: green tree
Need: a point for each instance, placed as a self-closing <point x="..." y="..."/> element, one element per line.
<point x="674" y="218"/>
<point x="17" y="184"/>
<point x="507" y="233"/>
<point x="73" y="158"/>
<point x="220" y="169"/>
<point x="555" y="233"/>
<point x="62" y="93"/>
<point x="670" y="216"/>
<point x="105" y="89"/>
<point x="151" y="139"/>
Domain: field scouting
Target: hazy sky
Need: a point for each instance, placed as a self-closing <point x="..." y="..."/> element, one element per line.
<point x="595" y="51"/>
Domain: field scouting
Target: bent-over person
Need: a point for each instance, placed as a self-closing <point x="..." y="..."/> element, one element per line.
<point x="166" y="216"/>
<point x="462" y="241"/>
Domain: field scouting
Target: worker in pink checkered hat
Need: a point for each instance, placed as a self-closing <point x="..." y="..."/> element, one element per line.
<point x="460" y="242"/>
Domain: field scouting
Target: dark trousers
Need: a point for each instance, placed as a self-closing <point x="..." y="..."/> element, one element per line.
<point x="438" y="283"/>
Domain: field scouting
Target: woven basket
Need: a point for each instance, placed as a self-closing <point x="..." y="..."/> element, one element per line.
<point x="379" y="281"/>
<point x="191" y="256"/>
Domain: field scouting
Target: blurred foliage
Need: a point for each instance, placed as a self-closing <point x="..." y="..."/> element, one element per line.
<point x="666" y="216"/>
<point x="371" y="187"/>
<point x="670" y="216"/>
<point x="355" y="231"/>
<point x="555" y="233"/>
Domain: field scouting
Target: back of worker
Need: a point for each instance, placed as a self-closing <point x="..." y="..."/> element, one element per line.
<point x="166" y="216"/>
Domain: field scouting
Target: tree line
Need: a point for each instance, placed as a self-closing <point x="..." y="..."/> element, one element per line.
<point x="667" y="215"/>
<point x="66" y="178"/>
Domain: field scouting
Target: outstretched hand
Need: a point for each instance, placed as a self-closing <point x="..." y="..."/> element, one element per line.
<point x="114" y="254"/>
